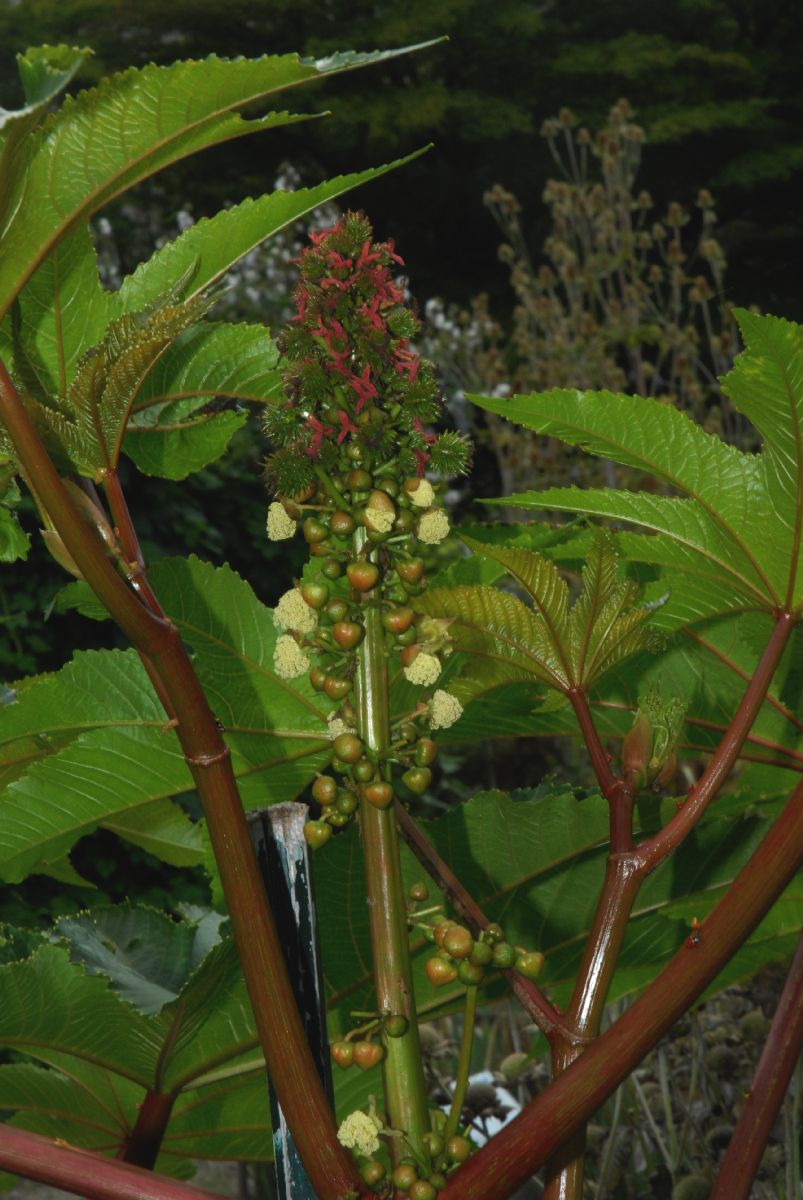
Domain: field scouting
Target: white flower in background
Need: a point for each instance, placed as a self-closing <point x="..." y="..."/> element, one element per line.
<point x="293" y="612"/>
<point x="433" y="526"/>
<point x="280" y="526"/>
<point x="444" y="710"/>
<point x="423" y="670"/>
<point x="358" y="1132"/>
<point x="289" y="660"/>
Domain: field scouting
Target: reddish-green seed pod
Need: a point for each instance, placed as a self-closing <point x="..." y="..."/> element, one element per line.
<point x="481" y="954"/>
<point x="469" y="973"/>
<point x="337" y="689"/>
<point x="342" y="524"/>
<point x="417" y="779"/>
<point x="426" y="752"/>
<point x="440" y="972"/>
<point x="504" y="956"/>
<point x="362" y="575"/>
<point x="359" y="480"/>
<point x="348" y="634"/>
<point x="368" y="1054"/>
<point x="458" y="1148"/>
<point x="314" y="531"/>
<point x="398" y="620"/>
<point x="372" y="1172"/>
<point x="336" y="609"/>
<point x="348" y="747"/>
<point x="342" y="1053"/>
<point x="315" y="594"/>
<point x="404" y="1177"/>
<point x="346" y="802"/>
<point x="317" y="833"/>
<point x="324" y="789"/>
<point x="529" y="965"/>
<point x="379" y="794"/>
<point x="458" y="942"/>
<point x="317" y="678"/>
<point x="364" y="770"/>
<point x="396" y="1025"/>
<point x="410" y="570"/>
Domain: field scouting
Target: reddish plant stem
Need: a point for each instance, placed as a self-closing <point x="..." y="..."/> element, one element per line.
<point x="600" y="761"/>
<point x="288" y="1057"/>
<point x="546" y="1016"/>
<point x="129" y="542"/>
<point x="83" y="543"/>
<point x="87" y="1174"/>
<point x="518" y="1150"/>
<point x="652" y="851"/>
<point x="616" y="791"/>
<point x="767" y="1090"/>
<point x="141" y="1147"/>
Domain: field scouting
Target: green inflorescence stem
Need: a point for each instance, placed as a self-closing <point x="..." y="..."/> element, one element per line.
<point x="403" y="1076"/>
<point x="463" y="1064"/>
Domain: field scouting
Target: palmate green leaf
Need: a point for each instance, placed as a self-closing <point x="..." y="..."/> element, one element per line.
<point x="276" y="728"/>
<point x="692" y="540"/>
<point x="538" y="576"/>
<point x="96" y="689"/>
<point x="206" y="1023"/>
<point x="603" y="627"/>
<point x="562" y="647"/>
<point x="71" y="793"/>
<point x="498" y="629"/>
<point x="14" y="542"/>
<point x="147" y="956"/>
<point x="723" y="485"/>
<point x="47" y="1004"/>
<point x="766" y="385"/>
<point x="707" y="668"/>
<point x="69" y="1105"/>
<point x="44" y="71"/>
<point x="91" y="423"/>
<point x="176" y="427"/>
<point x="63" y="310"/>
<point x="78" y="160"/>
<point x="87" y="747"/>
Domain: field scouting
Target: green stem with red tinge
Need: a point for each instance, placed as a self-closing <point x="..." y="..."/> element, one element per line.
<point x="86" y="1173"/>
<point x="403" y="1076"/>
<point x="281" y="1032"/>
<point x="142" y="1146"/>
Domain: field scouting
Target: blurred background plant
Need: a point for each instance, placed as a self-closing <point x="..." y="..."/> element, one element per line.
<point x="627" y="297"/>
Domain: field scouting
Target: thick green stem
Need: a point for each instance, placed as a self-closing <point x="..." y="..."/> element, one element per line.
<point x="523" y="1146"/>
<point x="288" y="1057"/>
<point x="403" y="1076"/>
<point x="463" y="1064"/>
